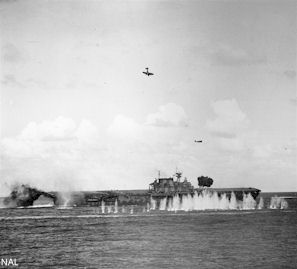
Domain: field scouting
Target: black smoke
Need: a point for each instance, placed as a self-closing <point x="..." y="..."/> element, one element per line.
<point x="23" y="195"/>
<point x="205" y="181"/>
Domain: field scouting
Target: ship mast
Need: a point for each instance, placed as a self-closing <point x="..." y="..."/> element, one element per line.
<point x="177" y="174"/>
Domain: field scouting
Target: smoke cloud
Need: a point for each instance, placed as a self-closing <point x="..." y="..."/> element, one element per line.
<point x="24" y="195"/>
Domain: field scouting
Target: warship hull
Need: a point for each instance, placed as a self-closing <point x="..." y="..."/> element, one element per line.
<point x="161" y="189"/>
<point x="144" y="197"/>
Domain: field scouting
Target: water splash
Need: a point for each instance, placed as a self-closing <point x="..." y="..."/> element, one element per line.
<point x="248" y="202"/>
<point x="116" y="206"/>
<point x="103" y="207"/>
<point x="163" y="203"/>
<point x="207" y="200"/>
<point x="65" y="200"/>
<point x="261" y="203"/>
<point x="109" y="209"/>
<point x="278" y="203"/>
<point x="233" y="201"/>
<point x="1" y="203"/>
<point x="153" y="204"/>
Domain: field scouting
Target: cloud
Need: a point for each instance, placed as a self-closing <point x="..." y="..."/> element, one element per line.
<point x="124" y="127"/>
<point x="290" y="74"/>
<point x="11" y="54"/>
<point x="229" y="127"/>
<point x="60" y="154"/>
<point x="56" y="154"/>
<point x="59" y="129"/>
<point x="59" y="137"/>
<point x="229" y="119"/>
<point x="293" y="101"/>
<point x="243" y="152"/>
<point x="10" y="80"/>
<point x="86" y="131"/>
<point x="148" y="136"/>
<point x="235" y="144"/>
<point x="168" y="115"/>
<point x="227" y="55"/>
<point x="143" y="147"/>
<point x="65" y="155"/>
<point x="263" y="151"/>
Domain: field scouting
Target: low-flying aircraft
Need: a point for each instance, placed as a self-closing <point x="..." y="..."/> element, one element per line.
<point x="198" y="141"/>
<point x="147" y="72"/>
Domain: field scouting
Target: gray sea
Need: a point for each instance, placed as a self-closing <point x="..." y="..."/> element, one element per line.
<point x="84" y="238"/>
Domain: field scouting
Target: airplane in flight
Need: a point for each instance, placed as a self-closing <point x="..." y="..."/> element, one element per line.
<point x="147" y="72"/>
<point x="198" y="141"/>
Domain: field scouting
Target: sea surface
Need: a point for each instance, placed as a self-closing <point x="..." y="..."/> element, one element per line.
<point x="85" y="238"/>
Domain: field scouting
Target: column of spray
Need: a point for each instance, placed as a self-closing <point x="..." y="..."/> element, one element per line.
<point x="153" y="204"/>
<point x="102" y="206"/>
<point x="278" y="203"/>
<point x="116" y="206"/>
<point x="163" y="204"/>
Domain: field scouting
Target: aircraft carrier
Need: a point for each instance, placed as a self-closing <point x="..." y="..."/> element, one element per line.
<point x="159" y="189"/>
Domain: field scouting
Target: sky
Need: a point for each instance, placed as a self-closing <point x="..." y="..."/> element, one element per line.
<point x="77" y="113"/>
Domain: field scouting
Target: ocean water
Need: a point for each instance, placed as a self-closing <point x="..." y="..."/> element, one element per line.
<point x="135" y="238"/>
